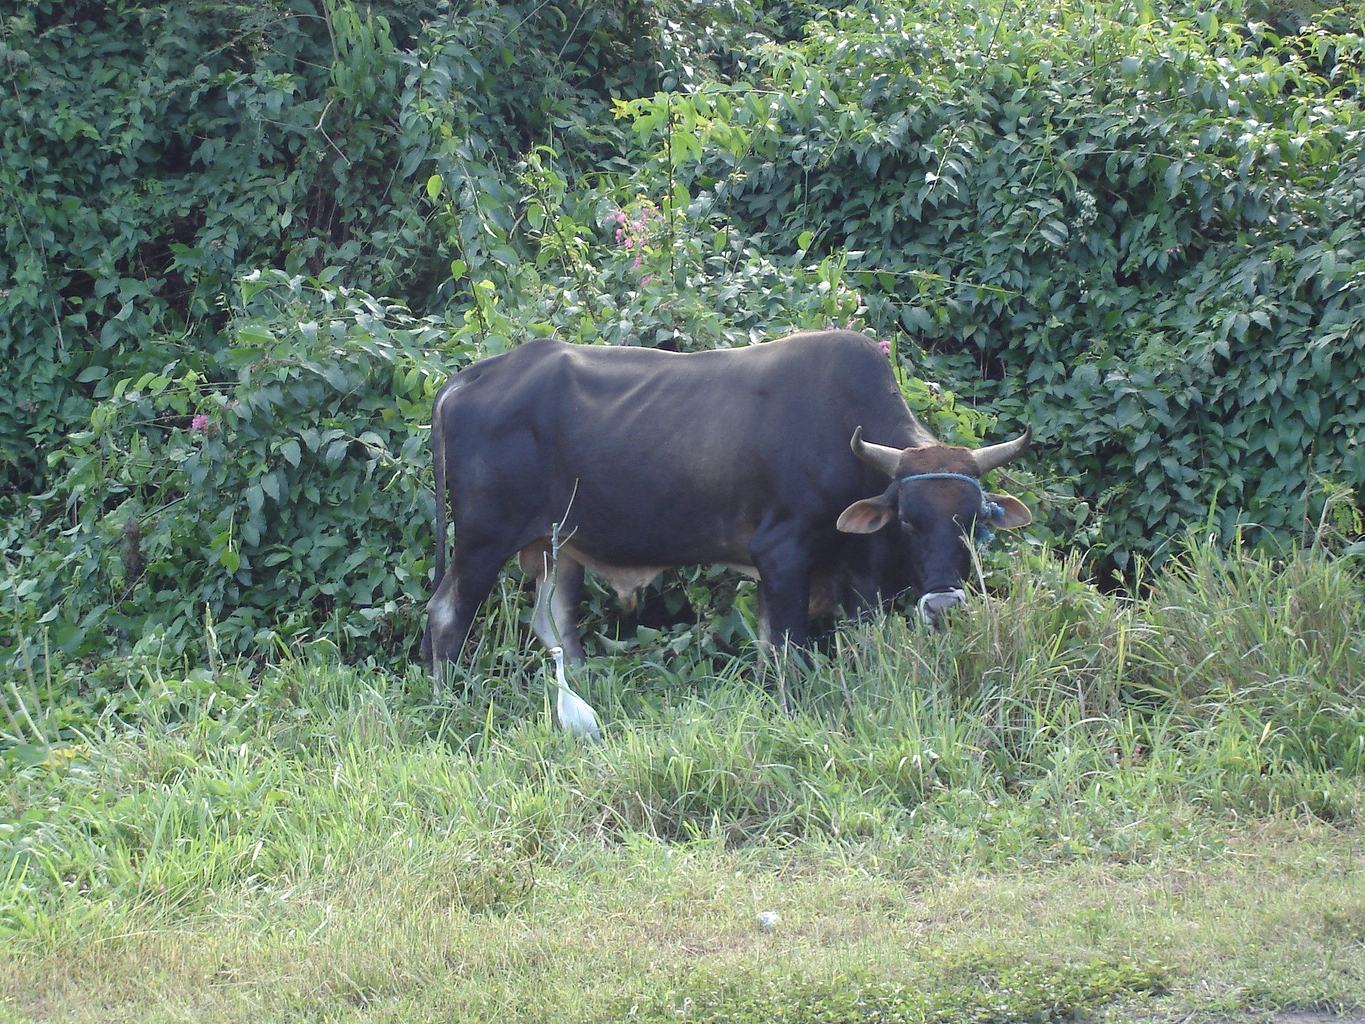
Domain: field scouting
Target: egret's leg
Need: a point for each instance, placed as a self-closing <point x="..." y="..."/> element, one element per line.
<point x="556" y="617"/>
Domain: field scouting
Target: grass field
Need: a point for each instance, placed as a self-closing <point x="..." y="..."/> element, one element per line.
<point x="1064" y="805"/>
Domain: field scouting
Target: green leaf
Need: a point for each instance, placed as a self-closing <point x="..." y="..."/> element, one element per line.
<point x="336" y="451"/>
<point x="252" y="284"/>
<point x="433" y="186"/>
<point x="1172" y="176"/>
<point x="257" y="335"/>
<point x="290" y="451"/>
<point x="1327" y="266"/>
<point x="28" y="754"/>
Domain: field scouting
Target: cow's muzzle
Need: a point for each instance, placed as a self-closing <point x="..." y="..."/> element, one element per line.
<point x="933" y="606"/>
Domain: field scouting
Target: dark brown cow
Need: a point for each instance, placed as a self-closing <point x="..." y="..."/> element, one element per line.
<point x="640" y="460"/>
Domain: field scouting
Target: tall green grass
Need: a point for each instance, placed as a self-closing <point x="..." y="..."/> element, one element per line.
<point x="1049" y="722"/>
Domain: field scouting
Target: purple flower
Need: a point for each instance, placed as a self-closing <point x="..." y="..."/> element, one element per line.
<point x="200" y="422"/>
<point x="635" y="230"/>
<point x="886" y="348"/>
<point x="647" y="280"/>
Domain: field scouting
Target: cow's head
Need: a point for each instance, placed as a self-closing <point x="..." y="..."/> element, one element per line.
<point x="937" y="503"/>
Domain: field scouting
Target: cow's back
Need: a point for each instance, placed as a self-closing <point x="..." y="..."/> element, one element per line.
<point x="665" y="456"/>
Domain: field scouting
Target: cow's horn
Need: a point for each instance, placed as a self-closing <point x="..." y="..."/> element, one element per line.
<point x="996" y="455"/>
<point x="878" y="456"/>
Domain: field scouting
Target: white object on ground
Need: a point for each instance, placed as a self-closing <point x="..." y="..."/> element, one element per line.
<point x="575" y="714"/>
<point x="767" y="918"/>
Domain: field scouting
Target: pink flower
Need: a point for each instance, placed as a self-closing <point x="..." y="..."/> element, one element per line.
<point x="200" y="422"/>
<point x="647" y="280"/>
<point x="886" y="348"/>
<point x="635" y="230"/>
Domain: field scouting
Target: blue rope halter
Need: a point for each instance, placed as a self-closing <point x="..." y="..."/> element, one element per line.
<point x="991" y="511"/>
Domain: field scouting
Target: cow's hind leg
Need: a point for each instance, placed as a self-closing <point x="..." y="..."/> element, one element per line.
<point x="559" y="588"/>
<point x="451" y="610"/>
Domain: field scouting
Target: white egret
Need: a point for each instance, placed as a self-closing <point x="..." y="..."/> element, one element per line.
<point x="575" y="714"/>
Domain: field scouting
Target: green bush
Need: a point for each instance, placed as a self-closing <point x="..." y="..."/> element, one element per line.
<point x="1134" y="227"/>
<point x="1130" y="227"/>
<point x="154" y="151"/>
<point x="248" y="484"/>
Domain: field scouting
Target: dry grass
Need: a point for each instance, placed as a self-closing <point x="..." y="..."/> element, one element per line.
<point x="1276" y="919"/>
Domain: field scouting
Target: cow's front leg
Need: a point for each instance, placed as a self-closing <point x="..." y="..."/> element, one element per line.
<point x="783" y="561"/>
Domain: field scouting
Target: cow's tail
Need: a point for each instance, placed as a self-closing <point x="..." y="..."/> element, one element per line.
<point x="438" y="458"/>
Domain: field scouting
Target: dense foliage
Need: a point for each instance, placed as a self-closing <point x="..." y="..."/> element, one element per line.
<point x="155" y="151"/>
<point x="1139" y="230"/>
<point x="1133" y="226"/>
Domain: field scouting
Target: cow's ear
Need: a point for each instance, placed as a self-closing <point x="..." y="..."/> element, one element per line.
<point x="868" y="515"/>
<point x="1015" y="512"/>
